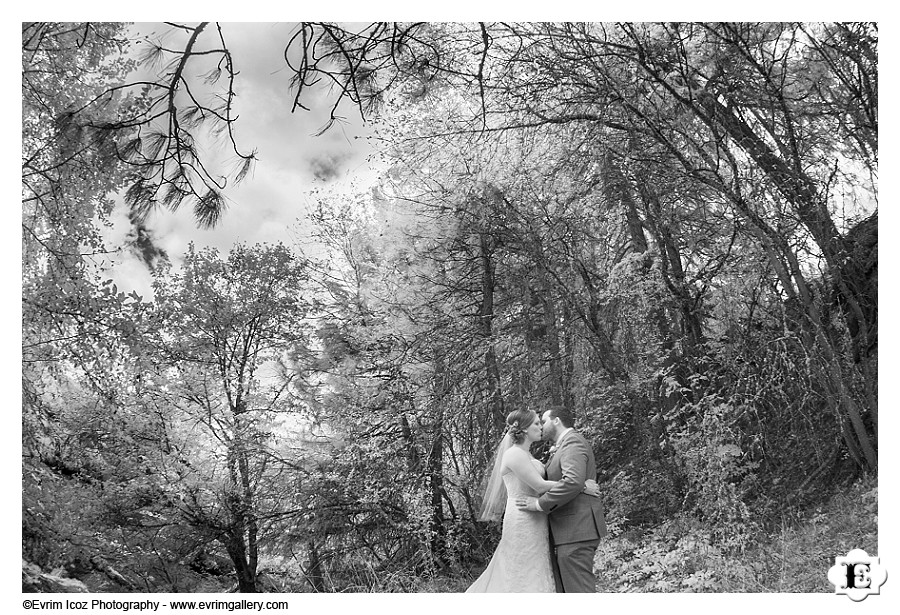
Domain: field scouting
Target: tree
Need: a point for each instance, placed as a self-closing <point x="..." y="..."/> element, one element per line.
<point x="732" y="105"/>
<point x="67" y="175"/>
<point x="78" y="331"/>
<point x="223" y="323"/>
<point x="670" y="228"/>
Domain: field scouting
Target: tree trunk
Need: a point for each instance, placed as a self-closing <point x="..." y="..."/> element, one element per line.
<point x="568" y="361"/>
<point x="242" y="539"/>
<point x="860" y="443"/>
<point x="436" y="465"/>
<point x="801" y="191"/>
<point x="673" y="271"/>
<point x="558" y="384"/>
<point x="234" y="545"/>
<point x="412" y="452"/>
<point x="315" y="574"/>
<point x="485" y="329"/>
<point x="617" y="191"/>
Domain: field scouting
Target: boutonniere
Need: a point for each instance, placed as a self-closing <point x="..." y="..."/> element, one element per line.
<point x="549" y="455"/>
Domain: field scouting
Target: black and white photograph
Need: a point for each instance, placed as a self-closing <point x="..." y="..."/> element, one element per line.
<point x="450" y="307"/>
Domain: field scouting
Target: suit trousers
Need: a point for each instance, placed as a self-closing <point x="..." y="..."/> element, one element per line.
<point x="573" y="567"/>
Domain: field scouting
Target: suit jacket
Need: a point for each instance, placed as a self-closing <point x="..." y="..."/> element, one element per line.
<point x="574" y="516"/>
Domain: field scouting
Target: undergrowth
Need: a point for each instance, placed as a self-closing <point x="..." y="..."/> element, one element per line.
<point x="681" y="555"/>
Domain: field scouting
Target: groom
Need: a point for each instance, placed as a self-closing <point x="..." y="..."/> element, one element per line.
<point x="576" y="519"/>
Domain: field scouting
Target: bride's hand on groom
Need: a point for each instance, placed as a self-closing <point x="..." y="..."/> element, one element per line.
<point x="527" y="503"/>
<point x="591" y="488"/>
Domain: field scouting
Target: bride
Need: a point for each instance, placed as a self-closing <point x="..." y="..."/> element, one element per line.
<point x="522" y="561"/>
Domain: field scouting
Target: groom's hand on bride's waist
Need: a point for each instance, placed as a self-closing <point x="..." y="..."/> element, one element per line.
<point x="528" y="503"/>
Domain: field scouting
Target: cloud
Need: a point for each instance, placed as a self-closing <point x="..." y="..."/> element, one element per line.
<point x="292" y="162"/>
<point x="328" y="166"/>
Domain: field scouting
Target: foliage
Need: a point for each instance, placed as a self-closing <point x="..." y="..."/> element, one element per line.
<point x="681" y="555"/>
<point x="78" y="329"/>
<point x="221" y="323"/>
<point x="719" y="478"/>
<point x="668" y="228"/>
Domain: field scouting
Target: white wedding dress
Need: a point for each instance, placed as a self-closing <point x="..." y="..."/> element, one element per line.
<point x="521" y="562"/>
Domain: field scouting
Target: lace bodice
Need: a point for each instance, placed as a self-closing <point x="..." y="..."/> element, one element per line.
<point x="516" y="486"/>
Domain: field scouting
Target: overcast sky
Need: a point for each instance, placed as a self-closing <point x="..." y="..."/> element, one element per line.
<point x="292" y="161"/>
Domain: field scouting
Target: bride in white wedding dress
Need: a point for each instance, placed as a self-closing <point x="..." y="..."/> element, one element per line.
<point x="522" y="560"/>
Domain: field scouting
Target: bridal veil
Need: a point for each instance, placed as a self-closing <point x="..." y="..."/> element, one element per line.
<point x="494" y="502"/>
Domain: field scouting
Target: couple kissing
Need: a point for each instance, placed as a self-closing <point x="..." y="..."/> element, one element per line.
<point x="551" y="513"/>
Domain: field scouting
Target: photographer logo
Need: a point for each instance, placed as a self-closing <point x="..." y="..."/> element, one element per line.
<point x="857" y="575"/>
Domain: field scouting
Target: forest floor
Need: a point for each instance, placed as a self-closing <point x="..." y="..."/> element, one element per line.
<point x="680" y="556"/>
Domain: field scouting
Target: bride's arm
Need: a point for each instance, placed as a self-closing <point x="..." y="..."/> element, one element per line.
<point x="520" y="463"/>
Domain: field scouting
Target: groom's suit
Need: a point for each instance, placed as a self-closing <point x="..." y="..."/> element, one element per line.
<point x="576" y="519"/>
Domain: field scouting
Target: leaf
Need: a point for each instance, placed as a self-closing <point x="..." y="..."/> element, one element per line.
<point x="727" y="450"/>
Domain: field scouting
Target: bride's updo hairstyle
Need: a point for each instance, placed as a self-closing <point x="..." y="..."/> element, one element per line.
<point x="517" y="422"/>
